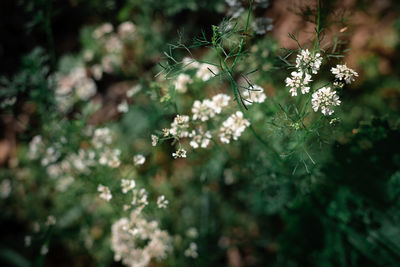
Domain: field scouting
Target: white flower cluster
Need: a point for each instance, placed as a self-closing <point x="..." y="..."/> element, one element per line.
<point x="191" y="251"/>
<point x="307" y="61"/>
<point x="324" y="99"/>
<point x="180" y="126"/>
<point x="180" y="153"/>
<point x="128" y="236"/>
<point x="76" y="85"/>
<point x="182" y="82"/>
<point x="123" y="107"/>
<point x="139" y="160"/>
<point x="200" y="138"/>
<point x="110" y="157"/>
<point x="101" y="137"/>
<point x="139" y="200"/>
<point x="162" y="202"/>
<point x="5" y="188"/>
<point x="208" y="108"/>
<point x="344" y="73"/>
<point x="233" y="127"/>
<point x="105" y="192"/>
<point x="127" y="185"/>
<point x="298" y="80"/>
<point x="206" y="71"/>
<point x="254" y="95"/>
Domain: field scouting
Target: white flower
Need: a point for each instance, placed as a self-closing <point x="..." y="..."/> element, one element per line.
<point x="5" y="188"/>
<point x="126" y="29"/>
<point x="110" y="157"/>
<point x="192" y="232"/>
<point x="105" y="192"/>
<point x="233" y="127"/>
<point x="113" y="44"/>
<point x="134" y="89"/>
<point x="123" y="107"/>
<point x="85" y="88"/>
<point x="162" y="202"/>
<point x="102" y="30"/>
<point x="44" y="250"/>
<point x="254" y="95"/>
<point x="191" y="251"/>
<point x="220" y="101"/>
<point x="203" y="110"/>
<point x="181" y="82"/>
<point x="139" y="199"/>
<point x="136" y="241"/>
<point x="200" y="138"/>
<point x="35" y="147"/>
<point x="180" y="126"/>
<point x="206" y="71"/>
<point x="324" y="99"/>
<point x="51" y="220"/>
<point x="297" y="81"/>
<point x="97" y="71"/>
<point x="305" y="60"/>
<point x="154" y="140"/>
<point x="28" y="241"/>
<point x="180" y="153"/>
<point x="342" y="72"/>
<point x="127" y="185"/>
<point x="139" y="160"/>
<point x="190" y="63"/>
<point x="101" y="137"/>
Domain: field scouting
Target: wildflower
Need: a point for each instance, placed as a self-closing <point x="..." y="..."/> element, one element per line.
<point x="181" y="83"/>
<point x="134" y="89"/>
<point x="113" y="44"/>
<point x="154" y="140"/>
<point x="8" y="102"/>
<point x="51" y="220"/>
<point x="105" y="192"/>
<point x="139" y="160"/>
<point x="162" y="202"/>
<point x="297" y="81"/>
<point x="190" y="63"/>
<point x="180" y="153"/>
<point x="127" y="185"/>
<point x="203" y="110"/>
<point x="126" y="29"/>
<point x="110" y="157"/>
<point x="180" y="126"/>
<point x="191" y="251"/>
<point x="255" y="95"/>
<point x="307" y="61"/>
<point x="166" y="132"/>
<point x="123" y="107"/>
<point x="28" y="241"/>
<point x="342" y="72"/>
<point x="51" y="155"/>
<point x="192" y="232"/>
<point x="85" y="88"/>
<point x="219" y="101"/>
<point x="5" y="188"/>
<point x="233" y="127"/>
<point x="63" y="183"/>
<point x="101" y="137"/>
<point x="206" y="71"/>
<point x="324" y="99"/>
<point x="102" y="30"/>
<point x="139" y="199"/>
<point x="127" y="235"/>
<point x="200" y="138"/>
<point x="44" y="250"/>
<point x="35" y="146"/>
